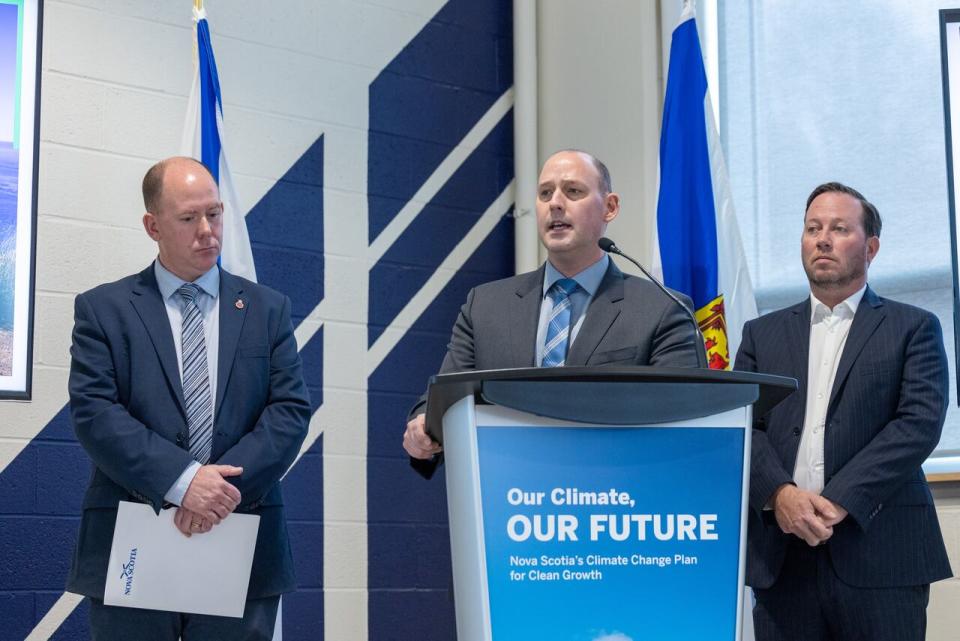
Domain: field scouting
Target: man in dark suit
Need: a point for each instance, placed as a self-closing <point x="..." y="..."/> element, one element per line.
<point x="843" y="535"/>
<point x="607" y="317"/>
<point x="186" y="390"/>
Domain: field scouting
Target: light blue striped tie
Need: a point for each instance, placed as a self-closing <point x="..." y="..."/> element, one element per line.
<point x="196" y="379"/>
<point x="558" y="327"/>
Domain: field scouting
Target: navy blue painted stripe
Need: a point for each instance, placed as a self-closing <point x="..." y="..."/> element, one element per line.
<point x="407" y="537"/>
<point x="303" y="610"/>
<point x="40" y="496"/>
<point x="442" y="223"/>
<point x="312" y="357"/>
<point x="286" y="233"/>
<point x="76" y="627"/>
<point x="430" y="96"/>
<point x="420" y="107"/>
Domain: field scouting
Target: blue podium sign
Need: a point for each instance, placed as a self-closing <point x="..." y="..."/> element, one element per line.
<point x="596" y="533"/>
<point x="621" y="518"/>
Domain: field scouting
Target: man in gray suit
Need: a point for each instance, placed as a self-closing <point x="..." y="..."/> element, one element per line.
<point x="607" y="317"/>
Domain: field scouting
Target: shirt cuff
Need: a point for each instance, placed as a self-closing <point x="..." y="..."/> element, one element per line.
<point x="179" y="488"/>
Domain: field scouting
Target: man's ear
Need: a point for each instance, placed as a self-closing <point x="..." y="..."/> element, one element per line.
<point x="873" y="246"/>
<point x="611" y="207"/>
<point x="150" y="226"/>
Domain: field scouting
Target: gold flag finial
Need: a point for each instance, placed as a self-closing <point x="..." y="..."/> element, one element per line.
<point x="198" y="4"/>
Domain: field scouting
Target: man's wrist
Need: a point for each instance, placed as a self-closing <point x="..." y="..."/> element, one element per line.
<point x="772" y="503"/>
<point x="179" y="488"/>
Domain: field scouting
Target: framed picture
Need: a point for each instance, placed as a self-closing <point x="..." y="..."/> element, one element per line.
<point x="20" y="38"/>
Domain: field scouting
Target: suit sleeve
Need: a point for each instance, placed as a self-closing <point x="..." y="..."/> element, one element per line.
<point x="132" y="455"/>
<point x="268" y="450"/>
<point x="461" y="354"/>
<point x="675" y="342"/>
<point x="460" y="357"/>
<point x="898" y="450"/>
<point x="767" y="472"/>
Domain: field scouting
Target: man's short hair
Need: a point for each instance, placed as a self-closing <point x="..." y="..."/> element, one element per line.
<point x="153" y="181"/>
<point x="606" y="185"/>
<point x="870" y="217"/>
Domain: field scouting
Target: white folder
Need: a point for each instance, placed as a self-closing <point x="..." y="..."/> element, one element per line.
<point x="154" y="566"/>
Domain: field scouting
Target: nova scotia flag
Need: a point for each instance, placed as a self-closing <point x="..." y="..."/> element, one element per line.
<point x="203" y="140"/>
<point x="699" y="239"/>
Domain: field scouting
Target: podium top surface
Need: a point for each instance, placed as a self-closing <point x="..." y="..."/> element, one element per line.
<point x="616" y="395"/>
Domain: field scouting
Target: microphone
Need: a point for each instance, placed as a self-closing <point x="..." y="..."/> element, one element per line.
<point x="610" y="247"/>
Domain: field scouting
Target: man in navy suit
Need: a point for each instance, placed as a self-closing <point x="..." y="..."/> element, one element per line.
<point x="186" y="390"/>
<point x="843" y="535"/>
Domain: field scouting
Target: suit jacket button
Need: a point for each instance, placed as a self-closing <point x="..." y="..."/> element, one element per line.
<point x="796" y="431"/>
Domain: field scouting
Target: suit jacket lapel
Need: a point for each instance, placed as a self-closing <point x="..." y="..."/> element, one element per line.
<point x="798" y="343"/>
<point x="232" y="315"/>
<point x="146" y="300"/>
<point x="523" y="318"/>
<point x="869" y="314"/>
<point x="600" y="314"/>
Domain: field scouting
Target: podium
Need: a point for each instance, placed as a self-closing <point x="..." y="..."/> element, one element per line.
<point x="598" y="504"/>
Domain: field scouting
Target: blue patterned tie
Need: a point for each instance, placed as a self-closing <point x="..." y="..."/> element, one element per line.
<point x="558" y="327"/>
<point x="196" y="379"/>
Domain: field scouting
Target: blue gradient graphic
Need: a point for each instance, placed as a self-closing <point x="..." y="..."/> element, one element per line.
<point x="9" y="170"/>
<point x="9" y="14"/>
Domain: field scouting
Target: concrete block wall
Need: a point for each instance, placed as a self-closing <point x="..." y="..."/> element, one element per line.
<point x="368" y="204"/>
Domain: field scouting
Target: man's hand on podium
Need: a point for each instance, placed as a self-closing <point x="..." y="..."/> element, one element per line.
<point x="416" y="441"/>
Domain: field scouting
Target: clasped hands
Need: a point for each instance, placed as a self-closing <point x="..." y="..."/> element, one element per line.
<point x="805" y="514"/>
<point x="209" y="499"/>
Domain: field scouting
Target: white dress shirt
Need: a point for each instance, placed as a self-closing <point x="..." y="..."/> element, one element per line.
<point x="828" y="335"/>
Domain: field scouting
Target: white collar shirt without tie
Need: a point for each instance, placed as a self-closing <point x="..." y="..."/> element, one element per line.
<point x="828" y="335"/>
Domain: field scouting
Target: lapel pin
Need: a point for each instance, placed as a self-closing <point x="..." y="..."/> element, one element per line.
<point x="239" y="303"/>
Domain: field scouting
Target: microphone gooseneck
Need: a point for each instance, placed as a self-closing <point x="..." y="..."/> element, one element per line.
<point x="610" y="247"/>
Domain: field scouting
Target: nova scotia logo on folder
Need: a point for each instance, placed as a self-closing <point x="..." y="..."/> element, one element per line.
<point x="127" y="575"/>
<point x="149" y="557"/>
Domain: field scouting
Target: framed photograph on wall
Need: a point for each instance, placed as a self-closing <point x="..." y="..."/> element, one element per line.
<point x="20" y="39"/>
